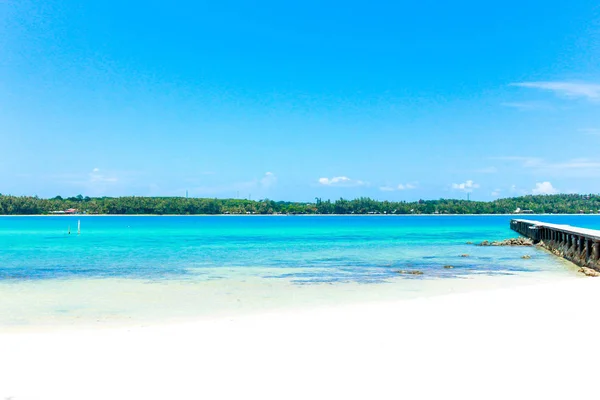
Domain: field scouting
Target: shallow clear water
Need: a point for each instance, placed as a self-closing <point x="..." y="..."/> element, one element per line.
<point x="305" y="249"/>
<point x="122" y="267"/>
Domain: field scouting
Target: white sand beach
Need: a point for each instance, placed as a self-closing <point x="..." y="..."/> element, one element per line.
<point x="536" y="341"/>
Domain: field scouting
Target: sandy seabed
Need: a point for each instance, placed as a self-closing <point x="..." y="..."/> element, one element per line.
<point x="527" y="342"/>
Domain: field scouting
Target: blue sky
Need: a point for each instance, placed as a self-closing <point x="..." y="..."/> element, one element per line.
<point x="392" y="100"/>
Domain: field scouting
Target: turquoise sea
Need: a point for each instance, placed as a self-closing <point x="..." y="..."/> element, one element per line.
<point x="225" y="262"/>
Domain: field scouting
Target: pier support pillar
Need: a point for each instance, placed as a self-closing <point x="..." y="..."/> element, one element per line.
<point x="596" y="251"/>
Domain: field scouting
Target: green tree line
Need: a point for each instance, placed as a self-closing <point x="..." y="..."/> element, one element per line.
<point x="33" y="205"/>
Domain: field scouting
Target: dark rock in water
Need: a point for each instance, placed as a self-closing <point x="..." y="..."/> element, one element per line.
<point x="469" y="242"/>
<point x="520" y="241"/>
<point x="464" y="255"/>
<point x="414" y="272"/>
<point x="526" y="257"/>
<point x="589" y="272"/>
<point x="448" y="266"/>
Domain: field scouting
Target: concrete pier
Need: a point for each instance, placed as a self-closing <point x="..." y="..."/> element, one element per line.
<point x="578" y="245"/>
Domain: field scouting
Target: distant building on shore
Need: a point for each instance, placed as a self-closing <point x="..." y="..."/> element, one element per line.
<point x="519" y="211"/>
<point x="70" y="211"/>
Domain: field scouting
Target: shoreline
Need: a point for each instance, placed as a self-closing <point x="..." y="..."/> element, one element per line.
<point x="286" y="215"/>
<point x="116" y="303"/>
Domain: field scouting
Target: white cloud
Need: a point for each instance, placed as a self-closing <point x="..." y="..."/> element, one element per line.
<point x="340" y="181"/>
<point x="268" y="180"/>
<point x="466" y="187"/>
<point x="544" y="188"/>
<point x="401" y="186"/>
<point x="496" y="192"/>
<point x="590" y="91"/>
<point x="578" y="163"/>
<point x="407" y="186"/>
<point x="93" y="183"/>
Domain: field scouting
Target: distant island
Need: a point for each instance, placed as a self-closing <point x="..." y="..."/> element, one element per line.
<point x="134" y="205"/>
